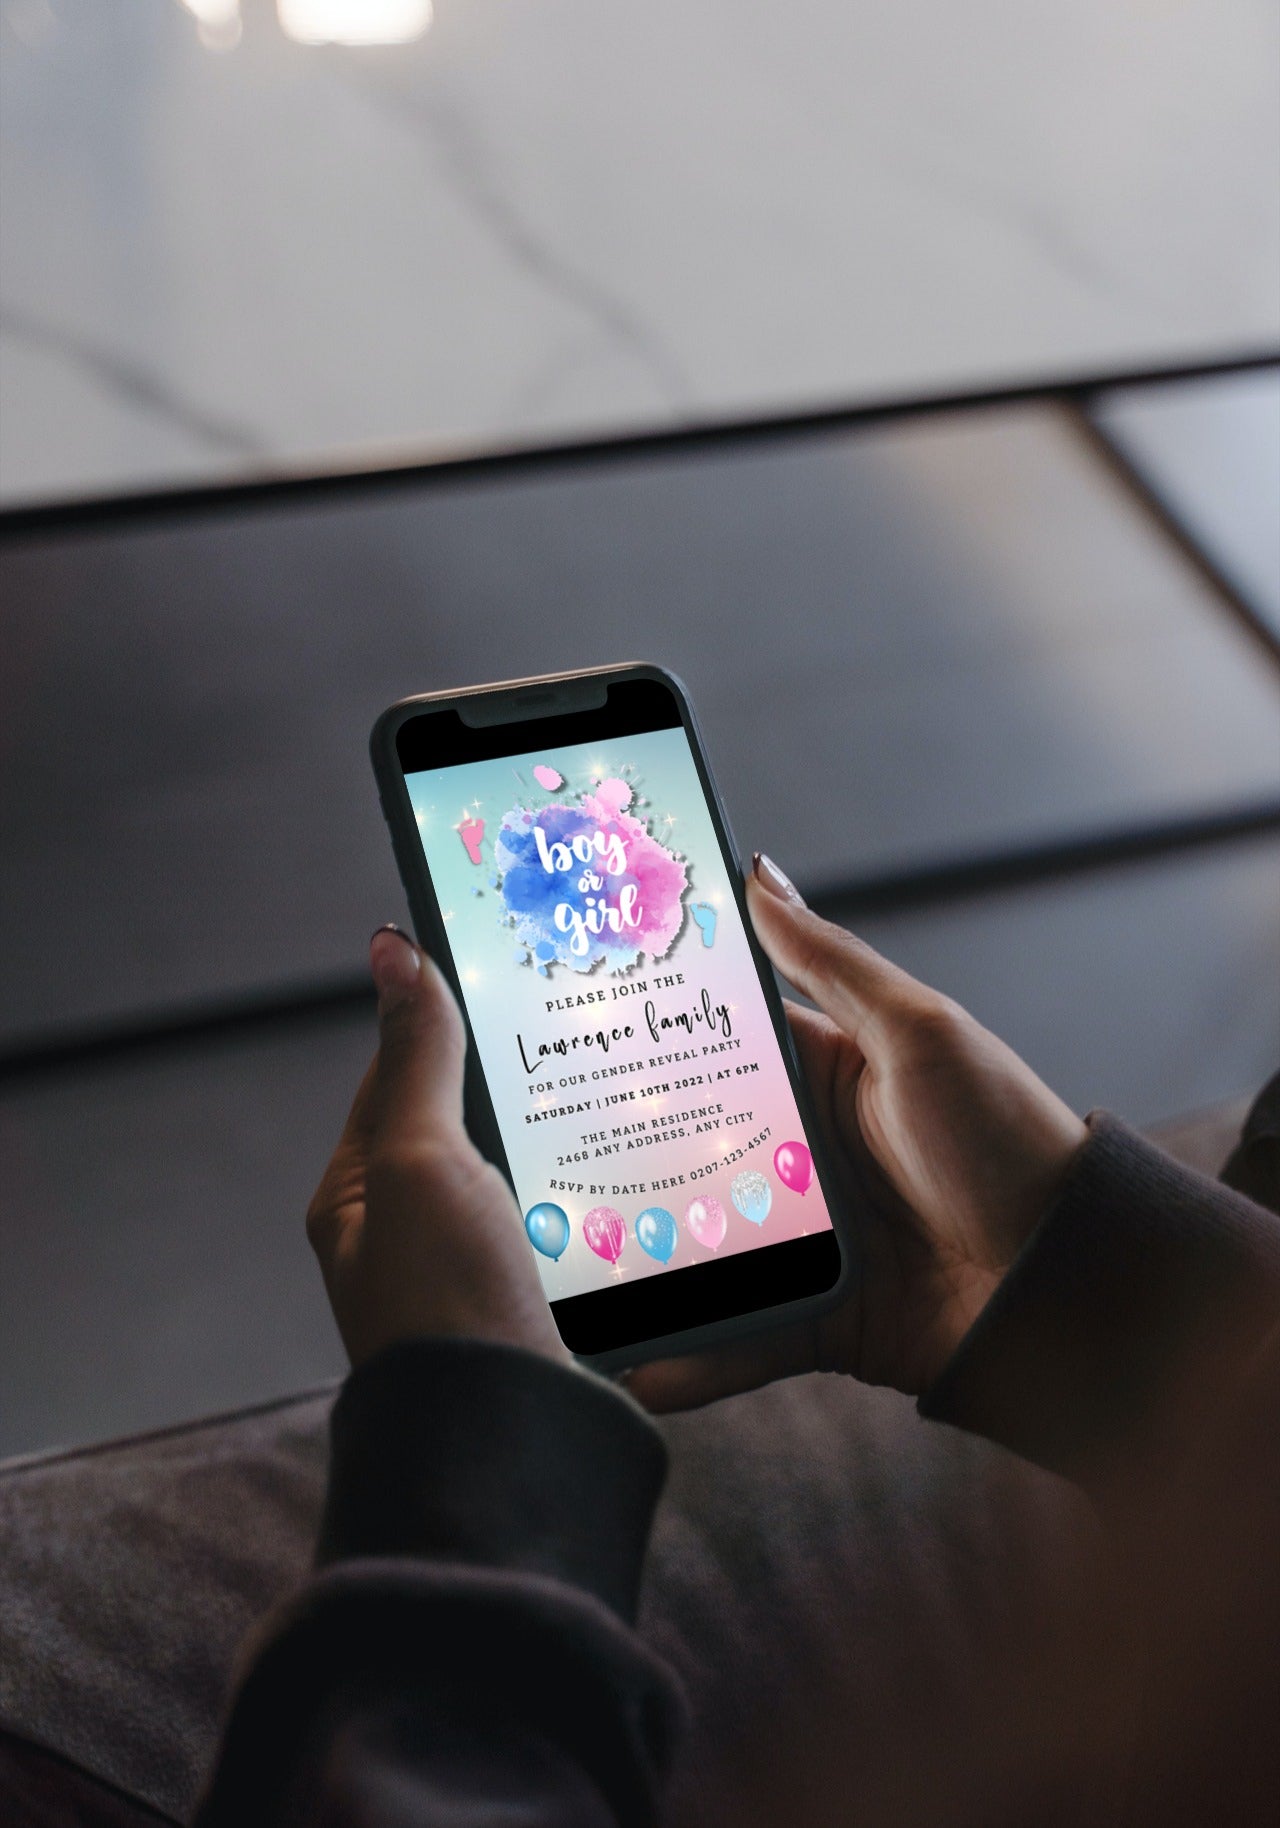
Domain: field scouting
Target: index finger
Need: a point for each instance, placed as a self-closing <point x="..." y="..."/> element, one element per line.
<point x="848" y="980"/>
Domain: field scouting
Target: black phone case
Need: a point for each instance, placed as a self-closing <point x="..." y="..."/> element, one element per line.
<point x="481" y="1121"/>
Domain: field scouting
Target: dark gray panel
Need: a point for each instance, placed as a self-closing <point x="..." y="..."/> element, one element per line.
<point x="155" y="1263"/>
<point x="1151" y="990"/>
<point x="1211" y="451"/>
<point x="906" y="644"/>
<point x="153" y="1259"/>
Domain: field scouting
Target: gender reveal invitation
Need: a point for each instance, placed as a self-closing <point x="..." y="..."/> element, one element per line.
<point x="649" y="1121"/>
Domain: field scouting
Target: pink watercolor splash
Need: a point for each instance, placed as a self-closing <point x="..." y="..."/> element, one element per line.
<point x="550" y="910"/>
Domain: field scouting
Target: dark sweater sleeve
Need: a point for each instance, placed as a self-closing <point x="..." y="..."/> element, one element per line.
<point x="466" y="1652"/>
<point x="1132" y="1314"/>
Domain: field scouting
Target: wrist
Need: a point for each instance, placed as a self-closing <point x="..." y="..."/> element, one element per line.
<point x="461" y="1450"/>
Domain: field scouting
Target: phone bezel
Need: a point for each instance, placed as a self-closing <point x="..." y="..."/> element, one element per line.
<point x="532" y="700"/>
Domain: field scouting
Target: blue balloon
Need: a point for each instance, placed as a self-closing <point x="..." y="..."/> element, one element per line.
<point x="547" y="1226"/>
<point x="656" y="1233"/>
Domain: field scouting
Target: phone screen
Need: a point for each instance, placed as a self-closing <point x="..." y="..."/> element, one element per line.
<point x="650" y="1123"/>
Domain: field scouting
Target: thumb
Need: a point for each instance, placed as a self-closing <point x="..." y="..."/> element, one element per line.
<point x="669" y="1384"/>
<point x="417" y="1090"/>
<point x="862" y="992"/>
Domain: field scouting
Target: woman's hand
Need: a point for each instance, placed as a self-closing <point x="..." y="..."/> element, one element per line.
<point x="416" y="1233"/>
<point x="948" y="1145"/>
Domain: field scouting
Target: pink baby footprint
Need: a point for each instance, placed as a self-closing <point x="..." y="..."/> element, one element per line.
<point x="471" y="831"/>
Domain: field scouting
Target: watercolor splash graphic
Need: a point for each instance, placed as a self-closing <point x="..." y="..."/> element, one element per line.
<point x="548" y="908"/>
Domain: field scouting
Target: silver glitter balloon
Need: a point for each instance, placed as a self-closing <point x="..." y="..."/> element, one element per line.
<point x="752" y="1195"/>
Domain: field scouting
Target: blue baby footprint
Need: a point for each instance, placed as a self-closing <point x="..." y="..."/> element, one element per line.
<point x="705" y="916"/>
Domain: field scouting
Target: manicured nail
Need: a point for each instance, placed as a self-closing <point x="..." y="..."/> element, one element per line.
<point x="395" y="964"/>
<point x="770" y="877"/>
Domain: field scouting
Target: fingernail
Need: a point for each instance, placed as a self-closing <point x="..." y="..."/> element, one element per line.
<point x="770" y="877"/>
<point x="395" y="964"/>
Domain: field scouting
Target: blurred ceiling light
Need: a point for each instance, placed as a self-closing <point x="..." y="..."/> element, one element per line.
<point x="354" y="21"/>
<point x="217" y="21"/>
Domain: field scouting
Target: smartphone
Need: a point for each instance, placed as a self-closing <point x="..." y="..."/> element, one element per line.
<point x="629" y="1066"/>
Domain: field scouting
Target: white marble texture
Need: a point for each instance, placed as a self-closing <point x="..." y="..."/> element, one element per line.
<point x="574" y="214"/>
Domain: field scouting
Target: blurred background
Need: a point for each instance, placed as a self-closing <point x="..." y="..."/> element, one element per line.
<point x="906" y="378"/>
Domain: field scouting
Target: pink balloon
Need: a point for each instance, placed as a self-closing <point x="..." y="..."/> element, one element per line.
<point x="794" y="1166"/>
<point x="706" y="1221"/>
<point x="606" y="1232"/>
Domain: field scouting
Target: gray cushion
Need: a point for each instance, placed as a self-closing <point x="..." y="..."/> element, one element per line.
<point x="864" y="1606"/>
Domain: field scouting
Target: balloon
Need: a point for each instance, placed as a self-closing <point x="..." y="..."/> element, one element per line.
<point x="656" y="1233"/>
<point x="547" y="1226"/>
<point x="706" y="1221"/>
<point x="793" y="1166"/>
<point x="606" y="1232"/>
<point x="752" y="1195"/>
